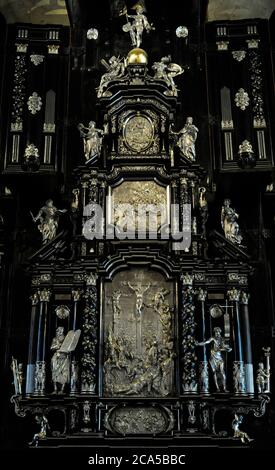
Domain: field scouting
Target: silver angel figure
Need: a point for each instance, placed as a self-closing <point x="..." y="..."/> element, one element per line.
<point x="229" y="223"/>
<point x="216" y="360"/>
<point x="167" y="71"/>
<point x="243" y="436"/>
<point x="187" y="137"/>
<point x="115" y="70"/>
<point x="92" y="139"/>
<point x="60" y="362"/>
<point x="137" y="26"/>
<point x="48" y="217"/>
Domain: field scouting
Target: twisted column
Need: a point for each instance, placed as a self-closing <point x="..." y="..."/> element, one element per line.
<point x="203" y="368"/>
<point x="90" y="338"/>
<point x="188" y="324"/>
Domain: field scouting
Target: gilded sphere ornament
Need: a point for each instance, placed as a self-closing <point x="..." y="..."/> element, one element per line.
<point x="137" y="56"/>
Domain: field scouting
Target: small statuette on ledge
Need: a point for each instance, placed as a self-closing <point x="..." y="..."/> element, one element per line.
<point x="186" y="139"/>
<point x="167" y="71"/>
<point x="92" y="140"/>
<point x="262" y="376"/>
<point x="243" y="436"/>
<point x="229" y="223"/>
<point x="267" y="353"/>
<point x="75" y="200"/>
<point x="42" y="434"/>
<point x="48" y="217"/>
<point x="17" y="370"/>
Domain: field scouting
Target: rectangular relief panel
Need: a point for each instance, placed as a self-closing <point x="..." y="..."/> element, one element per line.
<point x="139" y="329"/>
<point x="141" y="206"/>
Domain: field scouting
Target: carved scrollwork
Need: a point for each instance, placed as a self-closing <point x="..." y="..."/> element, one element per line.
<point x="18" y="409"/>
<point x="260" y="411"/>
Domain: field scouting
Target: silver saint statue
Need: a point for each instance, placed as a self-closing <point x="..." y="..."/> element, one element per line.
<point x="229" y="223"/>
<point x="92" y="139"/>
<point x="61" y="360"/>
<point x="167" y="71"/>
<point x="186" y="139"/>
<point x="115" y="69"/>
<point x="137" y="26"/>
<point x="238" y="419"/>
<point x="48" y="217"/>
<point x="218" y="346"/>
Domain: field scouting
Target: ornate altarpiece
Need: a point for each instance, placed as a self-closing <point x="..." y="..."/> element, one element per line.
<point x="142" y="304"/>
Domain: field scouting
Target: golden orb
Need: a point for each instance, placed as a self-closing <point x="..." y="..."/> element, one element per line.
<point x="137" y="56"/>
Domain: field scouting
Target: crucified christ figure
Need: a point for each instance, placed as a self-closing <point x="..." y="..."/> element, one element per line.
<point x="139" y="291"/>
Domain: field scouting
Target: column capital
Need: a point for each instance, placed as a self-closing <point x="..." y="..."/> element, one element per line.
<point x="44" y="295"/>
<point x="91" y="279"/>
<point x="244" y="298"/>
<point x="187" y="279"/>
<point x="234" y="294"/>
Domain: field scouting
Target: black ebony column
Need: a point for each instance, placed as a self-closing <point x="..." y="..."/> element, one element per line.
<point x="247" y="350"/>
<point x="239" y="381"/>
<point x="40" y="364"/>
<point x="188" y="326"/>
<point x="74" y="382"/>
<point x="32" y="344"/>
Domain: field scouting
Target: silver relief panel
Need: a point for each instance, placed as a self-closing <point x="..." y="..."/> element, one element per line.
<point x="139" y="420"/>
<point x="139" y="331"/>
<point x="134" y="201"/>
